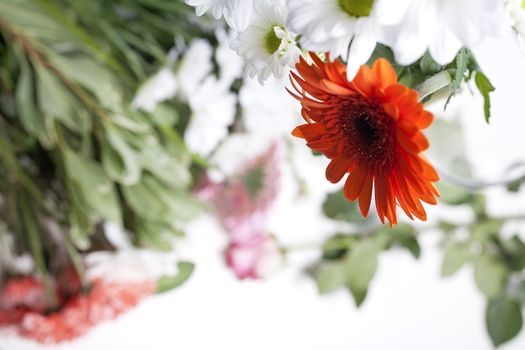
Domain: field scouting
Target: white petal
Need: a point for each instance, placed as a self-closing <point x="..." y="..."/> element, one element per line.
<point x="361" y="48"/>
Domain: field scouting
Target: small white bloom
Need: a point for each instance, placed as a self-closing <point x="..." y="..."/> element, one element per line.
<point x="267" y="46"/>
<point x="516" y="11"/>
<point x="230" y="64"/>
<point x="130" y="265"/>
<point x="344" y="28"/>
<point x="213" y="110"/>
<point x="268" y="110"/>
<point x="443" y="27"/>
<point x="195" y="65"/>
<point x="236" y="12"/>
<point x="160" y="87"/>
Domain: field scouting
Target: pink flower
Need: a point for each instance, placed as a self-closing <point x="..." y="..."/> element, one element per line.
<point x="243" y="200"/>
<point x="256" y="256"/>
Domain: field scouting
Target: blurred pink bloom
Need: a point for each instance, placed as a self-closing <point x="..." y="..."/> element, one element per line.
<point x="242" y="201"/>
<point x="257" y="256"/>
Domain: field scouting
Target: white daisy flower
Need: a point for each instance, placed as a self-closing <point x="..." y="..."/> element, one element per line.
<point x="160" y="87"/>
<point x="230" y="64"/>
<point x="335" y="25"/>
<point x="237" y="13"/>
<point x="266" y="110"/>
<point x="443" y="27"/>
<point x="213" y="111"/>
<point x="516" y="11"/>
<point x="267" y="46"/>
<point x="195" y="65"/>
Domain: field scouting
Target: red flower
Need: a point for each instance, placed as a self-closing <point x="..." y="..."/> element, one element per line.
<point x="104" y="301"/>
<point x="370" y="128"/>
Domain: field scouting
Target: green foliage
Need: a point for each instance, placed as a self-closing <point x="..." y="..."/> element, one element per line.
<point x="453" y="75"/>
<point x="330" y="276"/>
<point x="503" y="319"/>
<point x="337" y="207"/>
<point x="168" y="283"/>
<point x="456" y="255"/>
<point x="485" y="88"/>
<point x="70" y="143"/>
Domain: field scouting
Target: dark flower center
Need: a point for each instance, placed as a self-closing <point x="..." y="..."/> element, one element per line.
<point x="368" y="133"/>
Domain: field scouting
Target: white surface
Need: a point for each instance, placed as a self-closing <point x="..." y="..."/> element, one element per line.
<point x="409" y="306"/>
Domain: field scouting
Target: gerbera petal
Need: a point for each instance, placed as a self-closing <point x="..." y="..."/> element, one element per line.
<point x="337" y="168"/>
<point x="366" y="196"/>
<point x="308" y="131"/>
<point x="379" y="192"/>
<point x="336" y="89"/>
<point x="365" y="81"/>
<point x="424" y="120"/>
<point x="354" y="184"/>
<point x="384" y="72"/>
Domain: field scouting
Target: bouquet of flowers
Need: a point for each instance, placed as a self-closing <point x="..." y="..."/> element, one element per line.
<point x="123" y="122"/>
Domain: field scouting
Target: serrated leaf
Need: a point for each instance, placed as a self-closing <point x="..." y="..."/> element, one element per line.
<point x="485" y="87"/>
<point x="490" y="275"/>
<point x="167" y="283"/>
<point x="503" y="319"/>
<point x="329" y="277"/>
<point x="456" y="255"/>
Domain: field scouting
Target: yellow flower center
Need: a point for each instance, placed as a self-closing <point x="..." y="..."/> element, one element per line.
<point x="357" y="8"/>
<point x="271" y="41"/>
<point x="523" y="4"/>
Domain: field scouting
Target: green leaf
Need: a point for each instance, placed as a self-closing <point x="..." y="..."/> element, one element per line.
<point x="32" y="121"/>
<point x="92" y="76"/>
<point x="485" y="87"/>
<point x="55" y="101"/>
<point x="337" y="207"/>
<point x="453" y="195"/>
<point x="486" y="231"/>
<point x="359" y="295"/>
<point x="462" y="59"/>
<point x="428" y="65"/>
<point x="503" y="319"/>
<point x="456" y="255"/>
<point x="97" y="191"/>
<point x="361" y="266"/>
<point x="490" y="275"/>
<point x="402" y="235"/>
<point x="329" y="277"/>
<point x="168" y="283"/>
<point x="119" y="160"/>
<point x="336" y="247"/>
<point x="514" y="251"/>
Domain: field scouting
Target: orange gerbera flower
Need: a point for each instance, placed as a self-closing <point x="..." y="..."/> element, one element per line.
<point x="371" y="129"/>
